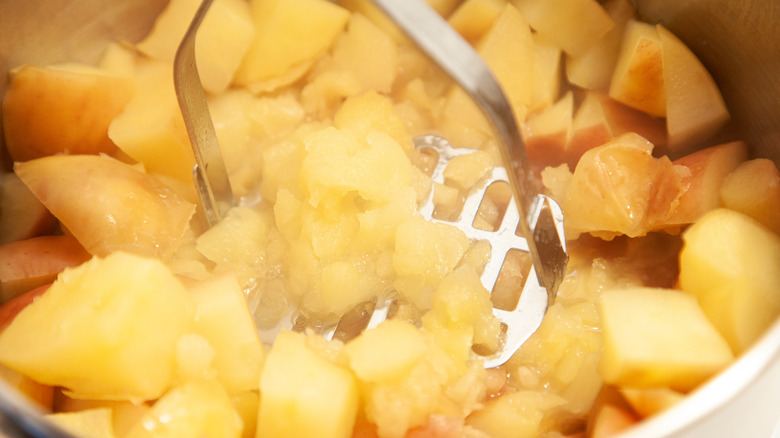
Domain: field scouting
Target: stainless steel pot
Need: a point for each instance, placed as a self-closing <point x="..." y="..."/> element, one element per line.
<point x="738" y="40"/>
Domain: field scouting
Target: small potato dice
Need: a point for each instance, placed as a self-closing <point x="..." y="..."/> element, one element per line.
<point x="223" y="318"/>
<point x="658" y="337"/>
<point x="84" y="332"/>
<point x="386" y="352"/>
<point x="303" y="394"/>
<point x="90" y="423"/>
<point x="289" y="33"/>
<point x="730" y="263"/>
<point x="196" y="409"/>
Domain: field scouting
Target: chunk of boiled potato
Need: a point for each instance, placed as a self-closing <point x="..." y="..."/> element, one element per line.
<point x="573" y="25"/>
<point x="222" y="317"/>
<point x="729" y="262"/>
<point x="289" y="34"/>
<point x="473" y="18"/>
<point x="223" y="38"/>
<point x="386" y="352"/>
<point x="658" y="337"/>
<point x="200" y="408"/>
<point x="428" y="249"/>
<point x="150" y="129"/>
<point x="65" y="109"/>
<point x="304" y="394"/>
<point x="88" y="324"/>
<point x="339" y="162"/>
<point x="518" y="414"/>
<point x="508" y="49"/>
<point x="90" y="423"/>
<point x="753" y="188"/>
<point x="109" y="205"/>
<point x="593" y="69"/>
<point x="372" y="111"/>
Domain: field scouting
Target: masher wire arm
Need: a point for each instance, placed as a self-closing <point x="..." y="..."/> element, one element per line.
<point x="462" y="63"/>
<point x="210" y="174"/>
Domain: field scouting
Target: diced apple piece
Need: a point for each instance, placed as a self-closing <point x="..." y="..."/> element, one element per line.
<point x="195" y="409"/>
<point x="729" y="262"/>
<point x="372" y="111"/>
<point x="593" y="69"/>
<point x="590" y="128"/>
<point x="108" y="205"/>
<point x="92" y="423"/>
<point x="304" y="394"/>
<point x="223" y="38"/>
<point x="547" y="133"/>
<point x="22" y="216"/>
<point x="625" y="119"/>
<point x="27" y="264"/>
<point x="247" y="404"/>
<point x="547" y="77"/>
<point x="289" y="34"/>
<point x="573" y="25"/>
<point x="88" y="324"/>
<point x="636" y="191"/>
<point x="702" y="175"/>
<point x="10" y="309"/>
<point x="695" y="109"/>
<point x="508" y="50"/>
<point x="386" y="352"/>
<point x="658" y="337"/>
<point x="222" y="317"/>
<point x="53" y="110"/>
<point x="518" y="414"/>
<point x="366" y="53"/>
<point x="150" y="129"/>
<point x="753" y="188"/>
<point x="600" y="118"/>
<point x="638" y="78"/>
<point x="338" y="162"/>
<point x="427" y="248"/>
<point x="474" y="17"/>
<point x="611" y="420"/>
<point x="41" y="395"/>
<point x="124" y="414"/>
<point x="650" y="401"/>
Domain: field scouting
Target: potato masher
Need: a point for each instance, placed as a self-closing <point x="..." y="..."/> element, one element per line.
<point x="529" y="213"/>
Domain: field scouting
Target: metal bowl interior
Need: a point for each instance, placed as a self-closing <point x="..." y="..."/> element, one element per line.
<point x="738" y="40"/>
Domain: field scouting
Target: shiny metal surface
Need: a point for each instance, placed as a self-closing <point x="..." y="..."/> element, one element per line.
<point x="739" y="42"/>
<point x="464" y="66"/>
<point x="210" y="173"/>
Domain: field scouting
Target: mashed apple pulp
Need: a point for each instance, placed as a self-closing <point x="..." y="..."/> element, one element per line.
<point x="316" y="130"/>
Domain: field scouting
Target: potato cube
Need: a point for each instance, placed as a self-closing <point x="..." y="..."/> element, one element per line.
<point x="223" y="318"/>
<point x="200" y="408"/>
<point x="88" y="324"/>
<point x="90" y="423"/>
<point x="729" y="262"/>
<point x="304" y="394"/>
<point x="386" y="352"/>
<point x="658" y="337"/>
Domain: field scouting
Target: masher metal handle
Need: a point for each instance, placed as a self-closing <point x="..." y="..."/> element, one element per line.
<point x="210" y="174"/>
<point x="463" y="64"/>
